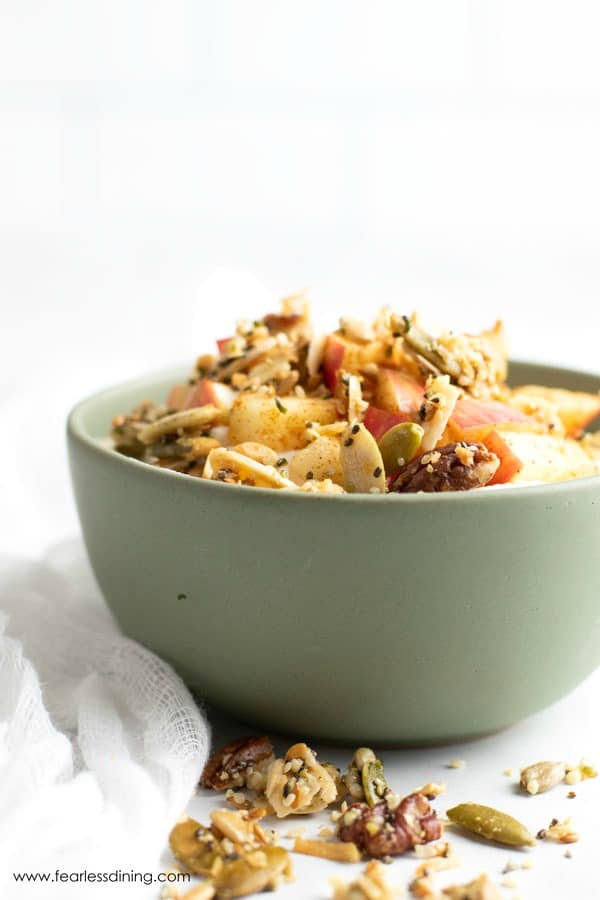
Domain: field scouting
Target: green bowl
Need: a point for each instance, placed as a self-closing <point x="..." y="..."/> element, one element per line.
<point x="391" y="620"/>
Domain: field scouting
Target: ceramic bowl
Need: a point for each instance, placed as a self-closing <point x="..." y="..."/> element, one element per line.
<point x="391" y="620"/>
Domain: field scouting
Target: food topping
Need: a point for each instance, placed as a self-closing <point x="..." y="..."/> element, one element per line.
<point x="371" y="885"/>
<point x="237" y="856"/>
<point x="389" y="829"/>
<point x="562" y="832"/>
<point x="542" y="776"/>
<point x="454" y="467"/>
<point x="491" y="824"/>
<point x="299" y="784"/>
<point x="480" y="888"/>
<point x="275" y="390"/>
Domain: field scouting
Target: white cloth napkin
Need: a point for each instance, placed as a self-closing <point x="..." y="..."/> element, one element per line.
<point x="101" y="743"/>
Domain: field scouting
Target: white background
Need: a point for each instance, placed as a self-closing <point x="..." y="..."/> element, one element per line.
<point x="165" y="166"/>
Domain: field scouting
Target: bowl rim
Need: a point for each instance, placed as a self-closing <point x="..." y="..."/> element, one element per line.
<point x="77" y="431"/>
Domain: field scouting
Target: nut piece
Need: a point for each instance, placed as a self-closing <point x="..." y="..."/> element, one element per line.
<point x="337" y="851"/>
<point x="453" y="467"/>
<point x="235" y="468"/>
<point x="204" y="891"/>
<point x="241" y="763"/>
<point x="491" y="824"/>
<point x="381" y="831"/>
<point x="542" y="776"/>
<point x="241" y="826"/>
<point x="299" y="784"/>
<point x="371" y="885"/>
<point x="261" y="870"/>
<point x="479" y="889"/>
<point x="196" y="418"/>
<point x="362" y="465"/>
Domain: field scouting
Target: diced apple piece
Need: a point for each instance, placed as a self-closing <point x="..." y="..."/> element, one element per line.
<point x="469" y="413"/>
<point x="278" y="422"/>
<point x="337" y="354"/>
<point x="575" y="408"/>
<point x="223" y="344"/>
<point x="548" y="458"/>
<point x="378" y="421"/>
<point x="213" y="392"/>
<point x="341" y="353"/>
<point x="397" y="392"/>
<point x="319" y="460"/>
<point x="178" y="396"/>
<point x="510" y="464"/>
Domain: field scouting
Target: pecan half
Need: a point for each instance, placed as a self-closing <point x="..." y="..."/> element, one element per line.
<point x="277" y="322"/>
<point x="234" y="765"/>
<point x="454" y="467"/>
<point x="382" y="830"/>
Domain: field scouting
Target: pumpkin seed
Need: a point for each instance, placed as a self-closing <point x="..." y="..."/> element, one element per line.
<point x="542" y="776"/>
<point x="195" y="846"/>
<point x="258" y="871"/>
<point x="198" y="417"/>
<point x="373" y="781"/>
<point x="362" y="466"/>
<point x="399" y="445"/>
<point x="362" y="756"/>
<point x="491" y="824"/>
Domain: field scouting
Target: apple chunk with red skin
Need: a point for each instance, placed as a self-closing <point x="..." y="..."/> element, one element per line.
<point x="342" y="354"/>
<point x="223" y="344"/>
<point x="398" y="393"/>
<point x="333" y="359"/>
<point x="205" y="392"/>
<point x="510" y="464"/>
<point x="378" y="421"/>
<point x="469" y="412"/>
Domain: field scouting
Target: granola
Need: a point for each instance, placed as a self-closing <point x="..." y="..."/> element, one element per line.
<point x="281" y="407"/>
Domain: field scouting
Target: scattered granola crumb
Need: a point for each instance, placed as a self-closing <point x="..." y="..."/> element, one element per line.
<point x="480" y="888"/>
<point x="456" y="764"/>
<point x="578" y="773"/>
<point x="371" y="885"/>
<point x="568" y="854"/>
<point x="561" y="832"/>
<point x="423" y="888"/>
<point x="513" y="865"/>
<point x="431" y="790"/>
<point x="509" y="773"/>
<point x="571" y="795"/>
<point x="428" y="851"/>
<point x="436" y="864"/>
<point x="509" y="882"/>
